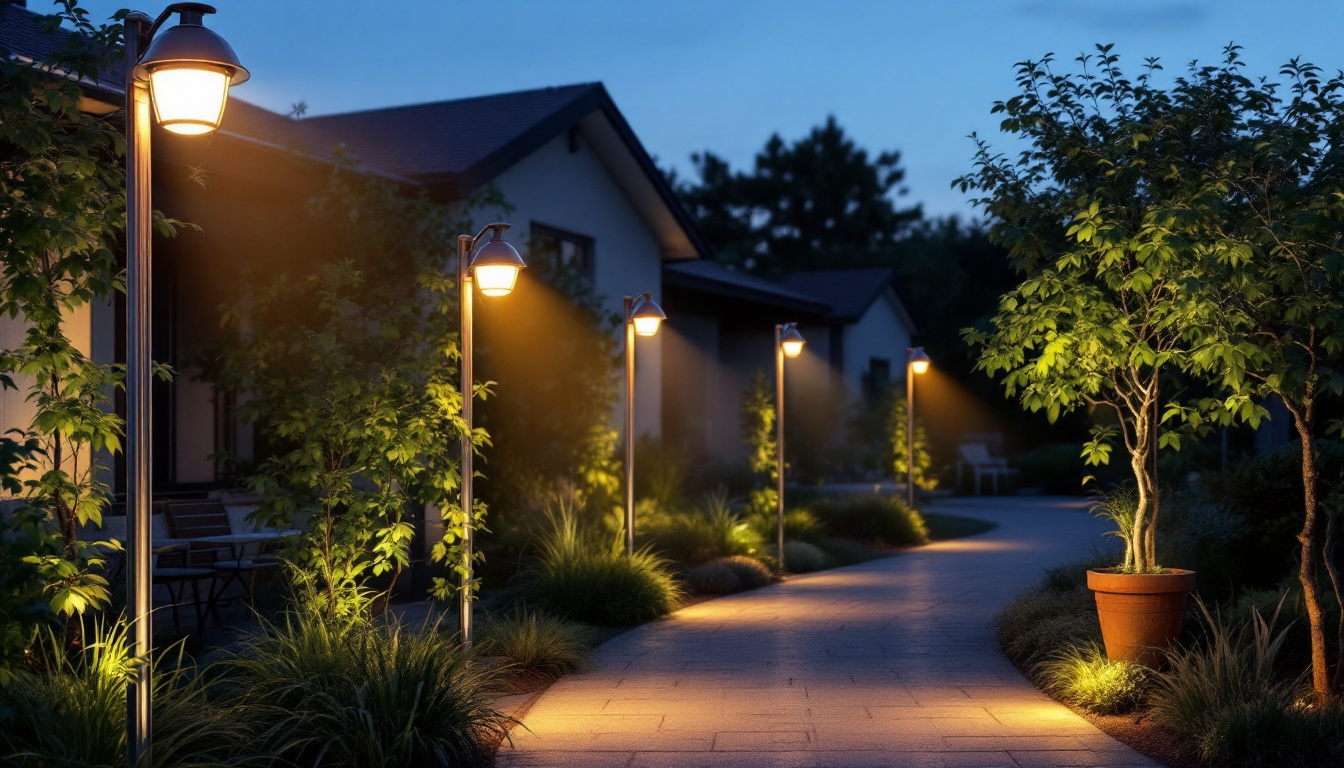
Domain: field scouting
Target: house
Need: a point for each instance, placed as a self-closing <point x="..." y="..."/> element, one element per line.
<point x="867" y="331"/>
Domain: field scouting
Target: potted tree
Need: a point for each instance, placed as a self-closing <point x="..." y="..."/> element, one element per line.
<point x="1101" y="216"/>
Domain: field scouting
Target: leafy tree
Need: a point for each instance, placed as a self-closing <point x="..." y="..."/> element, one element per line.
<point x="818" y="200"/>
<point x="1274" y="207"/>
<point x="62" y="210"/>
<point x="1113" y="296"/>
<point x="351" y="372"/>
<point x="758" y="430"/>
<point x="898" y="450"/>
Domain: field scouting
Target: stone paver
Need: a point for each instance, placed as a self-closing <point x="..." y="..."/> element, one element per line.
<point x="893" y="662"/>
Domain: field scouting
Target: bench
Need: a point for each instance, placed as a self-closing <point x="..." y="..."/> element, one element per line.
<point x="976" y="457"/>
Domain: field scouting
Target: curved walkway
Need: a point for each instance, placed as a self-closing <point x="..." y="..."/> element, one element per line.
<point x="893" y="662"/>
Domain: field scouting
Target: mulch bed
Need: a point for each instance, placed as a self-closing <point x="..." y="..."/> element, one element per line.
<point x="1144" y="736"/>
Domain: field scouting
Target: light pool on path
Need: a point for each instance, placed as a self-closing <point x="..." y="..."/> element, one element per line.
<point x="892" y="662"/>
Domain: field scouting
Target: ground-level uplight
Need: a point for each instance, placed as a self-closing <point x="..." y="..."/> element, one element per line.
<point x="184" y="75"/>
<point x="494" y="268"/>
<point x="788" y="343"/>
<point x="643" y="317"/>
<point x="917" y="362"/>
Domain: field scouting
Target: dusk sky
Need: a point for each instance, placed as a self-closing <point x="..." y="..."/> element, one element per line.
<point x="723" y="75"/>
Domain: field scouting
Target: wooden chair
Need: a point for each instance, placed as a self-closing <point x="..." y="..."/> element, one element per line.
<point x="976" y="457"/>
<point x="208" y="518"/>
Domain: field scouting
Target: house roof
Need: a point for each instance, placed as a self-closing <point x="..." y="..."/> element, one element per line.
<point x="459" y="145"/>
<point x="848" y="292"/>
<point x="708" y="277"/>
<point x="451" y="146"/>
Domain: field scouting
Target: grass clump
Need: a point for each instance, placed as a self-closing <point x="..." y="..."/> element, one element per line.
<point x="537" y="642"/>
<point x="72" y="712"/>
<point x="1085" y="678"/>
<point x="1227" y="698"/>
<point x="580" y="579"/>
<point x="1042" y="623"/>
<point x="349" y="693"/>
<point x="803" y="557"/>
<point x="713" y="529"/>
<point x="872" y="517"/>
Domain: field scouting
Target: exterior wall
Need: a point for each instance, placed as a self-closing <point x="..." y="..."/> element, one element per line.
<point x="879" y="333"/>
<point x="574" y="191"/>
<point x="15" y="411"/>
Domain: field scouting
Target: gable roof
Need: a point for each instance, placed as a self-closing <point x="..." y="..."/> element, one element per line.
<point x="461" y="144"/>
<point x="709" y="277"/>
<point x="848" y="292"/>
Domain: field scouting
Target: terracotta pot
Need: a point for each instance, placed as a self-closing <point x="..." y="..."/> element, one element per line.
<point x="1140" y="612"/>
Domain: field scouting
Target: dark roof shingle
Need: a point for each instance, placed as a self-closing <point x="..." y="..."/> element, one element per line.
<point x="849" y="292"/>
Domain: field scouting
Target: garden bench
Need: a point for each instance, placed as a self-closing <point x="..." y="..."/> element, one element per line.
<point x="976" y="457"/>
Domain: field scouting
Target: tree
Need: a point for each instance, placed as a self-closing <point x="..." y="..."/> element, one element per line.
<point x="758" y="430"/>
<point x="350" y="368"/>
<point x="1114" y="295"/>
<point x="1275" y="206"/>
<point x="62" y="209"/>
<point x="819" y="200"/>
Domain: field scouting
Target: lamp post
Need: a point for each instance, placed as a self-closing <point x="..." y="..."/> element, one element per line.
<point x="916" y="363"/>
<point x="643" y="316"/>
<point x="184" y="74"/>
<point x="788" y="343"/>
<point x="494" y="269"/>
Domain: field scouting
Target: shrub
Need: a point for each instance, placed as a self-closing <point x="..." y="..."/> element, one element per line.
<point x="1226" y="698"/>
<point x="802" y="557"/>
<point x="1045" y="622"/>
<point x="712" y="578"/>
<point x="870" y="517"/>
<point x="750" y="571"/>
<point x="578" y="578"/>
<point x="537" y="642"/>
<point x="73" y="712"/>
<point x="800" y="524"/>
<point x="354" y="694"/>
<point x="1085" y="678"/>
<point x="711" y="530"/>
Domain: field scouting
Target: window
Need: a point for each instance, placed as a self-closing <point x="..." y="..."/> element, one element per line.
<point x="565" y="253"/>
<point x="878" y="378"/>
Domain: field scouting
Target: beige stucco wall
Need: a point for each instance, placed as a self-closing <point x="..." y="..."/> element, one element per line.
<point x="575" y="192"/>
<point x="15" y="411"/>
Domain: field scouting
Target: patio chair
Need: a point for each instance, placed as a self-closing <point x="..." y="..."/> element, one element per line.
<point x="207" y="519"/>
<point x="976" y="457"/>
<point x="171" y="570"/>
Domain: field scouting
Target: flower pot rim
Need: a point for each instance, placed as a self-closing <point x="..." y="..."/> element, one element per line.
<point x="1169" y="580"/>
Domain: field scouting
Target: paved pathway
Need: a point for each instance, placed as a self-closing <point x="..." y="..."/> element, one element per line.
<point x="888" y="663"/>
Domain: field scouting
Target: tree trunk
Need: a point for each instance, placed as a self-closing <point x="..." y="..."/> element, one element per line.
<point x="1304" y="420"/>
<point x="1140" y="537"/>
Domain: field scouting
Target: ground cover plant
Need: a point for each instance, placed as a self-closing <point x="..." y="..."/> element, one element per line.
<point x="872" y="517"/>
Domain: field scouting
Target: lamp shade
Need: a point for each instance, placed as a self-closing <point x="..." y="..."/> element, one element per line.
<point x="496" y="266"/>
<point x="647" y="316"/>
<point x="791" y="341"/>
<point x="190" y="70"/>
<point x="919" y="361"/>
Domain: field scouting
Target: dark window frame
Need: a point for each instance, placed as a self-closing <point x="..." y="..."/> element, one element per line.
<point x="585" y="246"/>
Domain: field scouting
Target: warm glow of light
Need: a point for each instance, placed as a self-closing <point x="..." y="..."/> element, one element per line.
<point x="495" y="279"/>
<point x="919" y="366"/>
<point x="792" y="347"/>
<point x="647" y="326"/>
<point x="189" y="100"/>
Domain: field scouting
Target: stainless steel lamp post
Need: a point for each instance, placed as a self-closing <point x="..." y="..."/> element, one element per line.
<point x="184" y="75"/>
<point x="916" y="363"/>
<point x="494" y="269"/>
<point x="642" y="318"/>
<point x="788" y="343"/>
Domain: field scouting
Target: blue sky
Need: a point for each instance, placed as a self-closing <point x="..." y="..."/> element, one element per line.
<point x="725" y="74"/>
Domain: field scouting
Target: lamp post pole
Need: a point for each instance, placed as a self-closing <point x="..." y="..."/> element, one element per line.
<point x="779" y="444"/>
<point x="465" y="243"/>
<point x="493" y="269"/>
<point x="139" y="533"/>
<point x="643" y="317"/>
<point x="910" y="428"/>
<point x="186" y="53"/>
<point x="629" y="428"/>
